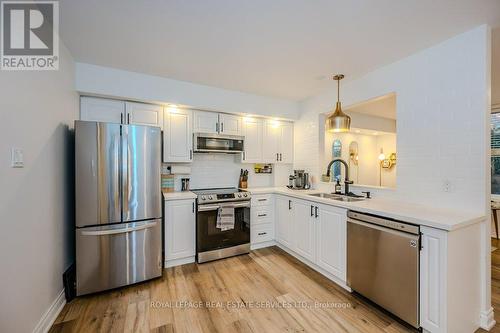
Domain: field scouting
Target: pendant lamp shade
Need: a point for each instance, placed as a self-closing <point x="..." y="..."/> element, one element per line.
<point x="338" y="121"/>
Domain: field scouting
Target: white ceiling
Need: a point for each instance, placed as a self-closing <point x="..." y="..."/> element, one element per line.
<point x="383" y="107"/>
<point x="280" y="48"/>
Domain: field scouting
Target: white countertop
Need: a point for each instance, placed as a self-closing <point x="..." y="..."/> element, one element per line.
<point x="168" y="196"/>
<point x="413" y="213"/>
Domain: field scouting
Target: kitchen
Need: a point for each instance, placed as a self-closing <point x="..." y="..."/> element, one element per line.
<point x="230" y="215"/>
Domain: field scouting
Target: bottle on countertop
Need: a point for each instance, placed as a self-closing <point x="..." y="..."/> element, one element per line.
<point x="338" y="187"/>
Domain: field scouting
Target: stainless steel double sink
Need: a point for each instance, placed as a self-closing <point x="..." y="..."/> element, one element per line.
<point x="336" y="197"/>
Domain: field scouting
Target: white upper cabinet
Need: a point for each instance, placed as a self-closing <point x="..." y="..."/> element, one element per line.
<point x="120" y="112"/>
<point x="270" y="141"/>
<point x="217" y="123"/>
<point x="253" y="132"/>
<point x="102" y="109"/>
<point x="331" y="234"/>
<point x="206" y="122"/>
<point x="278" y="142"/>
<point x="229" y="124"/>
<point x="177" y="136"/>
<point x="144" y="114"/>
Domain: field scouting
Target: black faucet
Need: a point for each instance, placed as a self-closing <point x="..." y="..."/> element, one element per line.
<point x="347" y="182"/>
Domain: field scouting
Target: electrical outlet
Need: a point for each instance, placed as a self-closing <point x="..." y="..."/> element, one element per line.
<point x="446" y="186"/>
<point x="16" y="158"/>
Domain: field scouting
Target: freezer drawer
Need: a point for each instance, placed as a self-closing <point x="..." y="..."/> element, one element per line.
<point x="383" y="264"/>
<point x="117" y="255"/>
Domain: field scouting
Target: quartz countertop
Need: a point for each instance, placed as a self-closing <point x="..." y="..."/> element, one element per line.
<point x="168" y="196"/>
<point x="412" y="213"/>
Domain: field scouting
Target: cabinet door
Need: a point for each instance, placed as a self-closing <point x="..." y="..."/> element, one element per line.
<point x="331" y="234"/>
<point x="178" y="136"/>
<point x="284" y="221"/>
<point x="286" y="143"/>
<point x="270" y="142"/>
<point x="252" y="130"/>
<point x="206" y="122"/>
<point x="305" y="229"/>
<point x="102" y="109"/>
<point x="229" y="124"/>
<point x="180" y="229"/>
<point x="144" y="114"/>
<point x="432" y="280"/>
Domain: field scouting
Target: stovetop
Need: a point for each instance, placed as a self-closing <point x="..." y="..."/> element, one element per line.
<point x="209" y="195"/>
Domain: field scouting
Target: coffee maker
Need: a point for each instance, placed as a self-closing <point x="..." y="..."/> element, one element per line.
<point x="299" y="180"/>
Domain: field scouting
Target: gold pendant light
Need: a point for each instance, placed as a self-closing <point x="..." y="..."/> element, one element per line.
<point x="338" y="121"/>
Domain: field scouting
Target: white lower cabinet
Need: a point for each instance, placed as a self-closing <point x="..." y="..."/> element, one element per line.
<point x="284" y="221"/>
<point x="305" y="219"/>
<point x="180" y="231"/>
<point x="314" y="231"/>
<point x="432" y="280"/>
<point x="262" y="221"/>
<point x="331" y="235"/>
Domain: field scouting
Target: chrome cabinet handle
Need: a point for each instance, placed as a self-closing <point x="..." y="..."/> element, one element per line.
<point x="190" y="154"/>
<point x="217" y="127"/>
<point x="221" y="127"/>
<point x="289" y="204"/>
<point x="121" y="118"/>
<point x="277" y="157"/>
<point x="128" y="118"/>
<point x="281" y="158"/>
<point x="312" y="210"/>
<point x="262" y="233"/>
<point x="261" y="215"/>
<point x="316" y="212"/>
<point x="261" y="199"/>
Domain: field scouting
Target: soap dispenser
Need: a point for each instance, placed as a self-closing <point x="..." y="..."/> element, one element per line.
<point x="338" y="187"/>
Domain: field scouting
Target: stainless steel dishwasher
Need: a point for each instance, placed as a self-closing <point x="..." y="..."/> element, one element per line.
<point x="383" y="263"/>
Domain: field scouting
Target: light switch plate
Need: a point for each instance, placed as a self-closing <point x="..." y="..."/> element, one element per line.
<point x="17" y="159"/>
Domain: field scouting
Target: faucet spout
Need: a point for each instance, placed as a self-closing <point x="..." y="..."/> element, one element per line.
<point x="346" y="180"/>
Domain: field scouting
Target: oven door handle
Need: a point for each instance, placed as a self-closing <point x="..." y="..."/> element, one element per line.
<point x="206" y="208"/>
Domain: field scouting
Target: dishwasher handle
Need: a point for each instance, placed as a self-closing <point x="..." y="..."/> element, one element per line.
<point x="411" y="236"/>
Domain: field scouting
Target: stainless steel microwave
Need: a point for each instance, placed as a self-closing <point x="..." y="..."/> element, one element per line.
<point x="216" y="143"/>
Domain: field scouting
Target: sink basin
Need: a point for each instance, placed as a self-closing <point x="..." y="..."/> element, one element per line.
<point x="336" y="197"/>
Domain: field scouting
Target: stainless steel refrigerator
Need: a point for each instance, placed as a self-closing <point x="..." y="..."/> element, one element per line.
<point x="118" y="205"/>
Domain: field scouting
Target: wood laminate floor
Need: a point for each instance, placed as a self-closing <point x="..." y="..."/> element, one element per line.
<point x="230" y="295"/>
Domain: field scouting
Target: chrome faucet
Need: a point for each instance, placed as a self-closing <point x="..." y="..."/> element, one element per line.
<point x="347" y="182"/>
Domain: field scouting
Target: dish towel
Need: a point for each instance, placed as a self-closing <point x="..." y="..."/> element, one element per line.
<point x="225" y="218"/>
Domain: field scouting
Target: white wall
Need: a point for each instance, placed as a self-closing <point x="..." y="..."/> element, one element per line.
<point x="36" y="202"/>
<point x="443" y="97"/>
<point x="105" y="81"/>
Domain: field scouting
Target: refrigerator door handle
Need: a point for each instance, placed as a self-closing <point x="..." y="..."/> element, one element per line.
<point x="102" y="232"/>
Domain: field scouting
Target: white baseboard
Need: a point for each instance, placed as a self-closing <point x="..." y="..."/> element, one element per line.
<point x="487" y="320"/>
<point x="178" y="262"/>
<point x="51" y="314"/>
<point x="262" y="245"/>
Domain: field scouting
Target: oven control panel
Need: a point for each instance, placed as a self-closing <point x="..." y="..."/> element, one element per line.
<point x="221" y="197"/>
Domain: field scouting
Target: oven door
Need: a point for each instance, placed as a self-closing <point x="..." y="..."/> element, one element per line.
<point x="209" y="237"/>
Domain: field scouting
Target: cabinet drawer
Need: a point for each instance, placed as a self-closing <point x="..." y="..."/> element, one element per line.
<point x="261" y="214"/>
<point x="261" y="200"/>
<point x="261" y="233"/>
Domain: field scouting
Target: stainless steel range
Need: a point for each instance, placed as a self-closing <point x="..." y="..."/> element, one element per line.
<point x="222" y="223"/>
